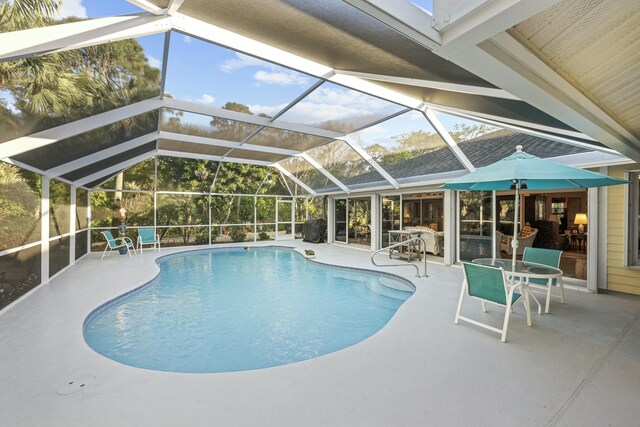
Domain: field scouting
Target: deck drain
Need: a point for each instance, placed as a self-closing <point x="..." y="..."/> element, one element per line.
<point x="76" y="385"/>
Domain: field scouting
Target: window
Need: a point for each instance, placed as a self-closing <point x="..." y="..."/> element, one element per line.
<point x="633" y="244"/>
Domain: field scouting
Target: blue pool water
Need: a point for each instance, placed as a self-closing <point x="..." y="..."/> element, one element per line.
<point x="221" y="310"/>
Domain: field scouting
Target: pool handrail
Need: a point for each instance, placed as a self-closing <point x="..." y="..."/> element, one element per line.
<point x="388" y="248"/>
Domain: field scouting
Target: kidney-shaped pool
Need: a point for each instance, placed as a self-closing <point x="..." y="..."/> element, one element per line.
<point x="233" y="309"/>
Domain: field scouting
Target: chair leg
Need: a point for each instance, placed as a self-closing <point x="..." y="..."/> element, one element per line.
<point x="561" y="289"/>
<point x="460" y="303"/>
<point x="505" y="324"/>
<point x="547" y="304"/>
<point x="484" y="306"/>
<point x="105" y="251"/>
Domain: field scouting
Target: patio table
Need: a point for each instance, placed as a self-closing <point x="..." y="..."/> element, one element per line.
<point x="524" y="270"/>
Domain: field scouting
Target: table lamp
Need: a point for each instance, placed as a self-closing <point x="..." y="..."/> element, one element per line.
<point x="580" y="220"/>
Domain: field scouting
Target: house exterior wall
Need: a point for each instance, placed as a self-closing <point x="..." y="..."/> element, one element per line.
<point x="619" y="277"/>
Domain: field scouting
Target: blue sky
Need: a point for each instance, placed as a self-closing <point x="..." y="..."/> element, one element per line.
<point x="210" y="74"/>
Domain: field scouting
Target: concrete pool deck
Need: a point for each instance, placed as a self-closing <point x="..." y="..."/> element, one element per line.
<point x="577" y="366"/>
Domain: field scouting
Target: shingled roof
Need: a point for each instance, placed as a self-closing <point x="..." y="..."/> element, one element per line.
<point x="481" y="151"/>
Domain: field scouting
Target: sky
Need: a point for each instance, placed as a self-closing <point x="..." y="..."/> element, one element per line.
<point x="210" y="74"/>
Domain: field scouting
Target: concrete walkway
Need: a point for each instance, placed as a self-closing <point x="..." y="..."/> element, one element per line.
<point x="577" y="366"/>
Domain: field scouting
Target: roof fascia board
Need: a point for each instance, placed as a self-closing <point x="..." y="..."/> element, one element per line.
<point x="58" y="133"/>
<point x="546" y="89"/>
<point x="193" y="107"/>
<point x="101" y="155"/>
<point x="202" y="140"/>
<point x="325" y="172"/>
<point x="488" y="19"/>
<point x="74" y="35"/>
<point x="453" y="145"/>
<point x="115" y="168"/>
<point x="294" y="179"/>
<point x="362" y="153"/>
<point x="451" y="87"/>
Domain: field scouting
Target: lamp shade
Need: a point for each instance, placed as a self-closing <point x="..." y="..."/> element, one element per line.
<point x="580" y="219"/>
<point x="554" y="218"/>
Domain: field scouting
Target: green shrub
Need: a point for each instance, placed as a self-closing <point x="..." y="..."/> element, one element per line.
<point x="263" y="236"/>
<point x="238" y="234"/>
<point x="202" y="237"/>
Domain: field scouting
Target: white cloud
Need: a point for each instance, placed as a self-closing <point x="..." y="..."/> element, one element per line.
<point x="72" y="8"/>
<point x="311" y="112"/>
<point x="346" y="97"/>
<point x="205" y="99"/>
<point x="282" y="78"/>
<point x="269" y="110"/>
<point x="240" y="61"/>
<point x="154" y="62"/>
<point x="186" y="39"/>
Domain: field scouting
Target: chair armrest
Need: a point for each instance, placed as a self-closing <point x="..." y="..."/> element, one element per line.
<point x="126" y="240"/>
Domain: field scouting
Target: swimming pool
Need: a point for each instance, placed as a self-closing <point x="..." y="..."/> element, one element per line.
<point x="231" y="309"/>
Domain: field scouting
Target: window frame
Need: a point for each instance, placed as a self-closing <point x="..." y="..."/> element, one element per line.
<point x="632" y="226"/>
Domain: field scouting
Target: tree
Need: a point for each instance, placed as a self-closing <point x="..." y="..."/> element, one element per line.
<point x="464" y="132"/>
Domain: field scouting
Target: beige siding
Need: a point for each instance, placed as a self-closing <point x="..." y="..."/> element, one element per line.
<point x="620" y="278"/>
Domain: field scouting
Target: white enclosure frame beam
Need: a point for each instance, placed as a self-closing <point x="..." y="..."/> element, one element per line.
<point x="58" y="133"/>
<point x="115" y="168"/>
<point x="453" y="145"/>
<point x="431" y="84"/>
<point x="325" y="172"/>
<point x="487" y="20"/>
<point x="193" y="107"/>
<point x="186" y="155"/>
<point x="213" y="142"/>
<point x="44" y="230"/>
<point x="57" y="38"/>
<point x="523" y="72"/>
<point x="100" y="155"/>
<point x="503" y="61"/>
<point x="498" y="122"/>
<point x="362" y="153"/>
<point x="401" y="14"/>
<point x="294" y="179"/>
<point x="72" y="226"/>
<point x="173" y="7"/>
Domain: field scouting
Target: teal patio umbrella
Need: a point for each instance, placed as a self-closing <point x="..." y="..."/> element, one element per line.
<point x="524" y="171"/>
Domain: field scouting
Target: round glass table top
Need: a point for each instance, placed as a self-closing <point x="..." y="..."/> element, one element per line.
<point x="521" y="267"/>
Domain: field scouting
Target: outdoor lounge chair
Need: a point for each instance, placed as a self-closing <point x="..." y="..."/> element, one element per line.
<point x="550" y="257"/>
<point x="430" y="237"/>
<point x="147" y="236"/>
<point x="523" y="242"/>
<point x="114" y="243"/>
<point x="488" y="284"/>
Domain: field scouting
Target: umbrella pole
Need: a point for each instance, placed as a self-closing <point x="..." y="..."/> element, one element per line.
<point x="516" y="217"/>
